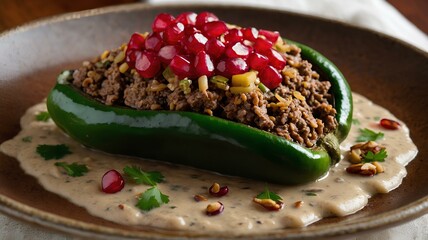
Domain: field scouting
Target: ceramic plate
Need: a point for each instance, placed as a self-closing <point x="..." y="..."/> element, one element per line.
<point x="385" y="70"/>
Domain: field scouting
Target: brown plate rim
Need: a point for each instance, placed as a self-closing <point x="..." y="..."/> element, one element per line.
<point x="29" y="214"/>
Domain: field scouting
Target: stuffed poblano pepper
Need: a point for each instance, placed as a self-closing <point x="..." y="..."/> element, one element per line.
<point x="200" y="92"/>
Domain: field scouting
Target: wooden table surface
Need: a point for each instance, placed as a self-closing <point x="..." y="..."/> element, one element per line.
<point x="14" y="13"/>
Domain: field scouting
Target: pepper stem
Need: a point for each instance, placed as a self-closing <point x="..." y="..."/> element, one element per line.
<point x="331" y="144"/>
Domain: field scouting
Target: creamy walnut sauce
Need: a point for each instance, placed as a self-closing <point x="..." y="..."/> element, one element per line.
<point x="337" y="194"/>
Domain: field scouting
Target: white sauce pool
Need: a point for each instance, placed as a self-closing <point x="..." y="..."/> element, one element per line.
<point x="341" y="193"/>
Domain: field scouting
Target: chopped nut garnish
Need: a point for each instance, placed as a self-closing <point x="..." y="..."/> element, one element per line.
<point x="355" y="168"/>
<point x="199" y="198"/>
<point x="215" y="188"/>
<point x="366" y="169"/>
<point x="269" y="204"/>
<point x="214" y="208"/>
<point x="365" y="158"/>
<point x="208" y="111"/>
<point x="379" y="167"/>
<point x="355" y="156"/>
<point x="298" y="204"/>
<point x="359" y="150"/>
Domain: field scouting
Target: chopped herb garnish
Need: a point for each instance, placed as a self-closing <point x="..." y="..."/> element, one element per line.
<point x="263" y="88"/>
<point x="355" y="121"/>
<point x="107" y="64"/>
<point x="141" y="177"/>
<point x="310" y="194"/>
<point x="43" y="116"/>
<point x="369" y="135"/>
<point x="375" y="157"/>
<point x="49" y="152"/>
<point x="65" y="77"/>
<point x="151" y="198"/>
<point x="27" y="139"/>
<point x="269" y="195"/>
<point x="74" y="169"/>
<point x="377" y="118"/>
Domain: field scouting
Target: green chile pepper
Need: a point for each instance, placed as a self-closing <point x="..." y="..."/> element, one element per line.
<point x="203" y="141"/>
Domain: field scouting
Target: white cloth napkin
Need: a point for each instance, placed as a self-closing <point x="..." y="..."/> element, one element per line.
<point x="373" y="14"/>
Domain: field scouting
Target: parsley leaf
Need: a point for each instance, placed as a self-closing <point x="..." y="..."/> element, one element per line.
<point x="140" y="177"/>
<point x="151" y="198"/>
<point x="355" y="121"/>
<point x="269" y="195"/>
<point x="43" y="117"/>
<point x="27" y="139"/>
<point x="49" y="152"/>
<point x="74" y="169"/>
<point x="378" y="157"/>
<point x="369" y="135"/>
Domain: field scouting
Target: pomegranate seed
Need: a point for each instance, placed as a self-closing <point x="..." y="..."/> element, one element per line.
<point x="218" y="191"/>
<point x="205" y="17"/>
<point x="270" y="77"/>
<point x="173" y="33"/>
<point x="237" y="50"/>
<point x="233" y="36"/>
<point x="189" y="30"/>
<point x="250" y="34"/>
<point x="153" y="42"/>
<point x="214" y="208"/>
<point x="195" y="42"/>
<point x="162" y="21"/>
<point x="136" y="41"/>
<point x="167" y="53"/>
<point x="214" y="29"/>
<point x="147" y="64"/>
<point x="131" y="56"/>
<point x="180" y="66"/>
<point x="187" y="18"/>
<point x="257" y="61"/>
<point x="112" y="182"/>
<point x="271" y="36"/>
<point x="221" y="67"/>
<point x="276" y="59"/>
<point x="231" y="66"/>
<point x="262" y="45"/>
<point x="215" y="48"/>
<point x="389" y="124"/>
<point x="203" y="64"/>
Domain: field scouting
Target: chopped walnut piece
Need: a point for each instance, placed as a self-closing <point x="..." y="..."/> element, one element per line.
<point x="269" y="204"/>
<point x="298" y="204"/>
<point x="379" y="167"/>
<point x="364" y="169"/>
<point x="199" y="198"/>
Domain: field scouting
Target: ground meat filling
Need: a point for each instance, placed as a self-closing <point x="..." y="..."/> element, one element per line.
<point x="299" y="109"/>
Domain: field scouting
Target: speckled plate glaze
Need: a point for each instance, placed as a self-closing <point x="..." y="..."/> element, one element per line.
<point x="389" y="72"/>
